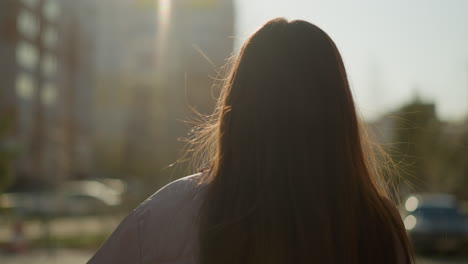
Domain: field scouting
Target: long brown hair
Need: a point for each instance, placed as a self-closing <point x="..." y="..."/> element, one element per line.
<point x="288" y="174"/>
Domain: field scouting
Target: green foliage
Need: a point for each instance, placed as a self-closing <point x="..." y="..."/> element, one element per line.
<point x="454" y="157"/>
<point x="416" y="136"/>
<point x="430" y="156"/>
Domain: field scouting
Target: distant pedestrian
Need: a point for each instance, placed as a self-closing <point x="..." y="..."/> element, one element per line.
<point x="18" y="243"/>
<point x="286" y="176"/>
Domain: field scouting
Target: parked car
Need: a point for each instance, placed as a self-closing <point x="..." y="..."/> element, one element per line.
<point x="72" y="198"/>
<point x="86" y="197"/>
<point x="31" y="204"/>
<point x="434" y="222"/>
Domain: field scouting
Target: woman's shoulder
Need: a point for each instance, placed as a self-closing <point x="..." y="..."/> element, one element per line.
<point x="181" y="190"/>
<point x="177" y="199"/>
<point x="165" y="221"/>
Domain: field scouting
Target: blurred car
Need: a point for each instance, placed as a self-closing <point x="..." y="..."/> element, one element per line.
<point x="73" y="198"/>
<point x="86" y="197"/>
<point x="434" y="222"/>
<point x="30" y="204"/>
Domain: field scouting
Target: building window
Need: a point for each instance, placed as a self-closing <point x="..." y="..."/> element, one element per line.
<point x="205" y="4"/>
<point x="50" y="37"/>
<point x="26" y="55"/>
<point x="49" y="65"/>
<point x="51" y="10"/>
<point x="49" y="94"/>
<point x="145" y="4"/>
<point x="27" y="24"/>
<point x="30" y="3"/>
<point x="24" y="86"/>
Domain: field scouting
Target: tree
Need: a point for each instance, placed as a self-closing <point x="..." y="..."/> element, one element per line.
<point x="432" y="155"/>
<point x="454" y="158"/>
<point x="417" y="145"/>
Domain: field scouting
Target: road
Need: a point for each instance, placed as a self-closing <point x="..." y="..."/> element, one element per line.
<point x="65" y="256"/>
<point x="62" y="256"/>
<point x="63" y="226"/>
<point x="439" y="260"/>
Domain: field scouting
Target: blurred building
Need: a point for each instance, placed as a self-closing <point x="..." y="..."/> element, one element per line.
<point x="384" y="129"/>
<point x="196" y="45"/>
<point x="45" y="84"/>
<point x="77" y="48"/>
<point x="151" y="65"/>
<point x="126" y="107"/>
<point x="200" y="42"/>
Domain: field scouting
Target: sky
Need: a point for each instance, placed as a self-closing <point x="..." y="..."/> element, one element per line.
<point x="392" y="50"/>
